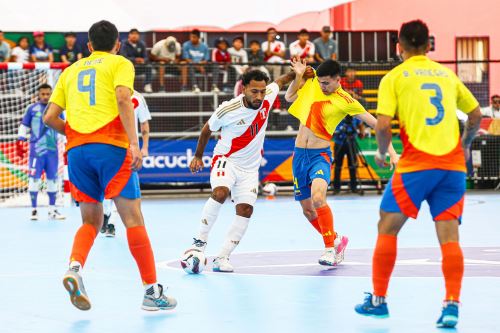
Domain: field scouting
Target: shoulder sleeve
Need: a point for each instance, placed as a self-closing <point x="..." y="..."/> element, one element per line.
<point x="219" y="117"/>
<point x="215" y="123"/>
<point x="185" y="51"/>
<point x="312" y="50"/>
<point x="244" y="58"/>
<point x="272" y="91"/>
<point x="26" y="121"/>
<point x="142" y="110"/>
<point x="124" y="74"/>
<point x="466" y="101"/>
<point x="387" y="101"/>
<point x="58" y="96"/>
<point x="354" y="108"/>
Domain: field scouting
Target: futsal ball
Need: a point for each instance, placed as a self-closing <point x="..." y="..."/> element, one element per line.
<point x="270" y="189"/>
<point x="193" y="261"/>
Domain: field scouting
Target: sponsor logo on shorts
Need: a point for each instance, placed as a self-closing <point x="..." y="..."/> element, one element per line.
<point x="254" y="190"/>
<point x="320" y="172"/>
<point x="235" y="242"/>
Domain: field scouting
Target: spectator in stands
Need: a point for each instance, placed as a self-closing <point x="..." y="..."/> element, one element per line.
<point x="239" y="56"/>
<point x="326" y="47"/>
<point x="256" y="57"/>
<point x="135" y="50"/>
<point x="4" y="49"/>
<point x="71" y="52"/>
<point x="274" y="53"/>
<point x="166" y="52"/>
<point x="196" y="55"/>
<point x="352" y="85"/>
<point x="302" y="48"/>
<point x="492" y="111"/>
<point x="221" y="59"/>
<point x="21" y="53"/>
<point x="39" y="50"/>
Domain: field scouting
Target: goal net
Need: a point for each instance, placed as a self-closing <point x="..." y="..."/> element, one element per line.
<point x="18" y="89"/>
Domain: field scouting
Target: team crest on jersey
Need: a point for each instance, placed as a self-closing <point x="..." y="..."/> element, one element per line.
<point x="264" y="111"/>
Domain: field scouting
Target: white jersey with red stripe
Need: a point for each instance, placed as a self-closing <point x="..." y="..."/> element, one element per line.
<point x="242" y="130"/>
<point x="141" y="110"/>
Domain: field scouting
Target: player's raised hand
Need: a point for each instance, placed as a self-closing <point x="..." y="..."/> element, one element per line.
<point x="299" y="66"/>
<point x="196" y="165"/>
<point x="136" y="157"/>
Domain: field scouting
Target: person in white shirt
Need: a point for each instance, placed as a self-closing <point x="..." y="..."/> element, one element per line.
<point x="21" y="53"/>
<point x="142" y="116"/>
<point x="239" y="56"/>
<point x="492" y="111"/>
<point x="303" y="48"/>
<point x="166" y="52"/>
<point x="274" y="52"/>
<point x="242" y="122"/>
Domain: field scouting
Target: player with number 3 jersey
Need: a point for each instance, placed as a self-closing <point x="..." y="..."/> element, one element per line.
<point x="425" y="96"/>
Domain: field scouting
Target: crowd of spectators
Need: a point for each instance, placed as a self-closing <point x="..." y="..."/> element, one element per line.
<point x="225" y="61"/>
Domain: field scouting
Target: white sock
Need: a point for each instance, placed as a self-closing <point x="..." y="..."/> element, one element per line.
<point x="107" y="206"/>
<point x="52" y="209"/>
<point x="75" y="265"/>
<point x="234" y="235"/>
<point x="208" y="218"/>
<point x="152" y="290"/>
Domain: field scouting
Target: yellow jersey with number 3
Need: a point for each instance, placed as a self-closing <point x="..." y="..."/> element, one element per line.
<point x="425" y="95"/>
<point x="86" y="90"/>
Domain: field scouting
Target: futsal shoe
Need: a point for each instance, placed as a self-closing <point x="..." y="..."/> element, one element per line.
<point x="34" y="215"/>
<point x="221" y="264"/>
<point x="104" y="227"/>
<point x="73" y="283"/>
<point x="199" y="245"/>
<point x="328" y="258"/>
<point x="55" y="215"/>
<point x="449" y="315"/>
<point x="162" y="302"/>
<point x="110" y="230"/>
<point x="368" y="309"/>
<point x="340" y="245"/>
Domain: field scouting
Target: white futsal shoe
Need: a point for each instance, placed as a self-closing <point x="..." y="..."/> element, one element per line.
<point x="340" y="245"/>
<point x="221" y="264"/>
<point x="55" y="215"/>
<point x="328" y="257"/>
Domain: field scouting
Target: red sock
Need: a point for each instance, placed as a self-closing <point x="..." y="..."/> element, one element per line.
<point x="384" y="258"/>
<point x="140" y="247"/>
<point x="315" y="224"/>
<point x="325" y="221"/>
<point x="453" y="269"/>
<point x="84" y="239"/>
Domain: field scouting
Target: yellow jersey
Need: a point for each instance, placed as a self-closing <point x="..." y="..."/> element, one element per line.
<point x="322" y="113"/>
<point x="86" y="90"/>
<point x="425" y="95"/>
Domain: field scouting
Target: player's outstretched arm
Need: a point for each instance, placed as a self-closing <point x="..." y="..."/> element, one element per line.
<point x="126" y="110"/>
<point x="145" y="138"/>
<point x="471" y="127"/>
<point x="373" y="122"/>
<point x="196" y="164"/>
<point x="52" y="118"/>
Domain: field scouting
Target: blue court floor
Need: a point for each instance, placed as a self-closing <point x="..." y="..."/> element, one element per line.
<point x="277" y="286"/>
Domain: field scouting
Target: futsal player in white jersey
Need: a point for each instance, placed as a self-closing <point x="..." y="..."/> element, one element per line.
<point x="242" y="122"/>
<point x="142" y="116"/>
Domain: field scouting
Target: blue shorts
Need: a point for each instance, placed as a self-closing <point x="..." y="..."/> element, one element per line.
<point x="98" y="171"/>
<point x="47" y="162"/>
<point x="442" y="189"/>
<point x="309" y="164"/>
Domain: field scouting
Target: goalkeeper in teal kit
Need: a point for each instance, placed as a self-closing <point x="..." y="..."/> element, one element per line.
<point x="43" y="152"/>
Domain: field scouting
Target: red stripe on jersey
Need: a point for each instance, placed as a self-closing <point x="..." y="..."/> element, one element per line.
<point x="243" y="140"/>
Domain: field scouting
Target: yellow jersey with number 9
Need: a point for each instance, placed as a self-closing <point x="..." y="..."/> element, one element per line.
<point x="86" y="90"/>
<point x="425" y="95"/>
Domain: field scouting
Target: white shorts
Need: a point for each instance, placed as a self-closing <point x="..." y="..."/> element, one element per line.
<point x="242" y="184"/>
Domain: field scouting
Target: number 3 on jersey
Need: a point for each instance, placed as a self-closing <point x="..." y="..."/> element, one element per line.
<point x="86" y="83"/>
<point x="436" y="101"/>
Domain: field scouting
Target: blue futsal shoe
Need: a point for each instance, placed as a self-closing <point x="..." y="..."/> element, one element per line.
<point x="368" y="309"/>
<point x="449" y="316"/>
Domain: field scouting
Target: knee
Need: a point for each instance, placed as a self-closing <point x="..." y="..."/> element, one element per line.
<point x="220" y="194"/>
<point x="318" y="199"/>
<point x="244" y="210"/>
<point x="310" y="214"/>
